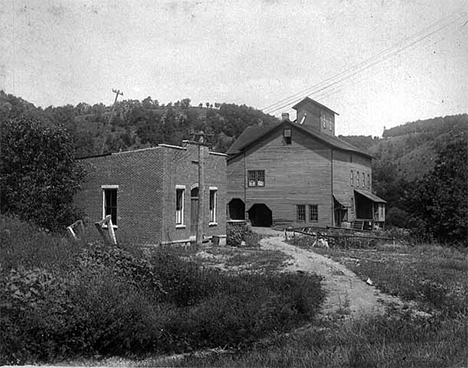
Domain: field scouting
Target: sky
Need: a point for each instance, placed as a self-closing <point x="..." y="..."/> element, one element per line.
<point x="377" y="63"/>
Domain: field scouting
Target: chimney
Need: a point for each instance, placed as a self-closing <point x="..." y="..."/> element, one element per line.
<point x="284" y="116"/>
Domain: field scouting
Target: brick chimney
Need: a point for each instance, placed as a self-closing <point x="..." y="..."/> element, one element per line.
<point x="284" y="116"/>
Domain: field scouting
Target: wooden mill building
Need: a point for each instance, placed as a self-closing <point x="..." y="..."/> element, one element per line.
<point x="152" y="194"/>
<point x="300" y="174"/>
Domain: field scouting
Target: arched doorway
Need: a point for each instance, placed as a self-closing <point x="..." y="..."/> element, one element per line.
<point x="260" y="215"/>
<point x="236" y="209"/>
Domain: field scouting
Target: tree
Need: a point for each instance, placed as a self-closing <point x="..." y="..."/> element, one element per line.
<point x="185" y="103"/>
<point x="439" y="202"/>
<point x="38" y="173"/>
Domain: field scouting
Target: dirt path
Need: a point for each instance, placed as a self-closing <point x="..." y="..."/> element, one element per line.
<point x="348" y="295"/>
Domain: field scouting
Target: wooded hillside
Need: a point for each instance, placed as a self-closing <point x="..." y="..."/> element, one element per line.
<point x="133" y="124"/>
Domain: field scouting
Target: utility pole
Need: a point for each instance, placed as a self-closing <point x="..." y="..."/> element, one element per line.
<point x="201" y="189"/>
<point x="202" y="148"/>
<point x="117" y="93"/>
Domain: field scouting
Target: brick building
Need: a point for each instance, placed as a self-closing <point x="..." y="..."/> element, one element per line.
<point x="152" y="194"/>
<point x="300" y="174"/>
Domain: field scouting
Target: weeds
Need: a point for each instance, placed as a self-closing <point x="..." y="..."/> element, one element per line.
<point x="88" y="299"/>
<point x="394" y="340"/>
<point x="241" y="234"/>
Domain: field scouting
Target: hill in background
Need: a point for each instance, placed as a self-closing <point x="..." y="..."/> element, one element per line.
<point x="409" y="151"/>
<point x="134" y="124"/>
<point x="405" y="152"/>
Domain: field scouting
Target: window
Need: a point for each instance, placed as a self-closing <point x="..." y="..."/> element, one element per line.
<point x="301" y="212"/>
<point x="256" y="178"/>
<point x="179" y="204"/>
<point x="351" y="178"/>
<point x="110" y="202"/>
<point x="368" y="181"/>
<point x="213" y="202"/>
<point x="357" y="179"/>
<point x="326" y="120"/>
<point x="363" y="180"/>
<point x="313" y="213"/>
<point x="287" y="136"/>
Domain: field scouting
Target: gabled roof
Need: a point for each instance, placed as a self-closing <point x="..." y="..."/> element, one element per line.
<point x="253" y="134"/>
<point x="307" y="100"/>
<point x="248" y="136"/>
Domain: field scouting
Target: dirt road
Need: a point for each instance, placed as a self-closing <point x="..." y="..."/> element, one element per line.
<point x="347" y="295"/>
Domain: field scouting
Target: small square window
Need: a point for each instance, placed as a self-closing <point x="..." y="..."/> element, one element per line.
<point x="301" y="212"/>
<point x="256" y="178"/>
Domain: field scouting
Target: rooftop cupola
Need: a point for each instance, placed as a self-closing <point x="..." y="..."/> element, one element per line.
<point x="315" y="115"/>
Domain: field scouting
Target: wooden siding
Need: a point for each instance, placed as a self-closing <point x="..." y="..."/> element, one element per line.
<point x="299" y="173"/>
<point x="236" y="178"/>
<point x="313" y="117"/>
<point x="343" y="163"/>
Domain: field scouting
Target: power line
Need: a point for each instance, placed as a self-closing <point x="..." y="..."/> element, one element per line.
<point x="382" y="53"/>
<point x="361" y="66"/>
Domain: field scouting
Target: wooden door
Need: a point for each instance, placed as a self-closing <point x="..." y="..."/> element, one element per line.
<point x="193" y="211"/>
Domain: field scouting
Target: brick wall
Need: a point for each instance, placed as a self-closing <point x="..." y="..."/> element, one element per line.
<point x="181" y="168"/>
<point x="138" y="175"/>
<point x="146" y="181"/>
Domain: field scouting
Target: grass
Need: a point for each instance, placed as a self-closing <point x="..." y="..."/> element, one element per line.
<point x="245" y="259"/>
<point x="378" y="342"/>
<point x="66" y="301"/>
<point x="432" y="277"/>
<point x="143" y="309"/>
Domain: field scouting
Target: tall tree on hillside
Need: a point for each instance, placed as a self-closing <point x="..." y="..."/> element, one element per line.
<point x="38" y="173"/>
<point x="440" y="200"/>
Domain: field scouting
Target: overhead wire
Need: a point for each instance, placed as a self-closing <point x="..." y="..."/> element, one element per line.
<point x="273" y="107"/>
<point x="362" y="66"/>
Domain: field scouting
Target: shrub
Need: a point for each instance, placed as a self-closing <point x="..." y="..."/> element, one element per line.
<point x="24" y="244"/>
<point x="109" y="301"/>
<point x="241" y="232"/>
<point x="38" y="173"/>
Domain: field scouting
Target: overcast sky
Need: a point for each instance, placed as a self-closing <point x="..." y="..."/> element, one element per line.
<point x="376" y="63"/>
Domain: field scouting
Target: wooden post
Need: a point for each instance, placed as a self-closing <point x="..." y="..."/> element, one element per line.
<point x="75" y="234"/>
<point x="117" y="93"/>
<point x="110" y="230"/>
<point x="201" y="191"/>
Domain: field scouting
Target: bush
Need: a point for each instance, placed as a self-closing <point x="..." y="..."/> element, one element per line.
<point x="106" y="300"/>
<point x="241" y="232"/>
<point x="38" y="173"/>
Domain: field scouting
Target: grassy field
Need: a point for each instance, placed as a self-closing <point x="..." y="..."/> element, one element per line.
<point x="71" y="301"/>
<point x="85" y="304"/>
<point x="429" y="278"/>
